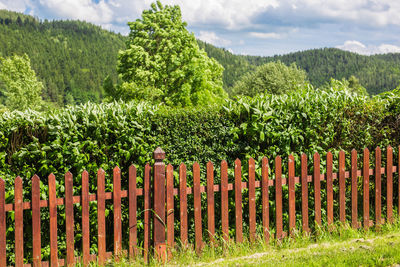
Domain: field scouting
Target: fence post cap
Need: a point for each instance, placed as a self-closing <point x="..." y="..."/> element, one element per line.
<point x="159" y="154"/>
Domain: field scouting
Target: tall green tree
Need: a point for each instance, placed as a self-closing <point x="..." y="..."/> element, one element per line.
<point x="19" y="84"/>
<point x="163" y="62"/>
<point x="273" y="77"/>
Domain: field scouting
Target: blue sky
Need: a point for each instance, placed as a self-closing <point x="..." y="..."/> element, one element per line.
<point x="253" y="27"/>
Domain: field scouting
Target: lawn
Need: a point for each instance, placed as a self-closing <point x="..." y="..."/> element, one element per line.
<point x="341" y="246"/>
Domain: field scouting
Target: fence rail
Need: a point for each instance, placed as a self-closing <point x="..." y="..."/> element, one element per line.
<point x="158" y="216"/>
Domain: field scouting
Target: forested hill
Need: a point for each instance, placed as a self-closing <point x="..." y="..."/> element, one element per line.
<point x="377" y="73"/>
<point x="71" y="58"/>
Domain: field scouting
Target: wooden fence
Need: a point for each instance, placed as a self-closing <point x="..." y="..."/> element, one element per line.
<point x="159" y="218"/>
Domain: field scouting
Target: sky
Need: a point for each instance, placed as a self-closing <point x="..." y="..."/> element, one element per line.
<point x="249" y="27"/>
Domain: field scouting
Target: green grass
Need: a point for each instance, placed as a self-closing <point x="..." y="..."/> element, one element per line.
<point x="342" y="246"/>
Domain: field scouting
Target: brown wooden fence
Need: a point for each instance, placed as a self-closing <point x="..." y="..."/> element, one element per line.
<point x="159" y="218"/>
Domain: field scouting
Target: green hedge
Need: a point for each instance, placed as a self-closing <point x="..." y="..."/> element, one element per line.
<point x="93" y="136"/>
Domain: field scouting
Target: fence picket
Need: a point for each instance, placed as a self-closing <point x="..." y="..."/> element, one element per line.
<point x="398" y="181"/>
<point x="304" y="193"/>
<point x="252" y="200"/>
<point x="378" y="187"/>
<point x="210" y="202"/>
<point x="183" y="204"/>
<point x="85" y="219"/>
<point x="265" y="198"/>
<point x="36" y="231"/>
<point x="147" y="205"/>
<point x="170" y="209"/>
<point x="342" y="187"/>
<point x="197" y="207"/>
<point x="101" y="217"/>
<point x="366" y="188"/>
<point x="354" y="190"/>
<point x="389" y="184"/>
<point x="278" y="197"/>
<point x="69" y="218"/>
<point x="3" y="259"/>
<point x="317" y="188"/>
<point x="238" y="201"/>
<point x="117" y="212"/>
<point x="53" y="220"/>
<point x="19" y="224"/>
<point x="132" y="212"/>
<point x="224" y="201"/>
<point x="329" y="188"/>
<point x="292" y="196"/>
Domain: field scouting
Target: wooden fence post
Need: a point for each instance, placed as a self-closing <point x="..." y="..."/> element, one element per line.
<point x="159" y="205"/>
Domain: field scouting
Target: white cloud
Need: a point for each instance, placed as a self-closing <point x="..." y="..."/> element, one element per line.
<point x="267" y="35"/>
<point x="15" y="5"/>
<point x="360" y="48"/>
<point x="229" y="14"/>
<point x="87" y="10"/>
<point x="212" y="38"/>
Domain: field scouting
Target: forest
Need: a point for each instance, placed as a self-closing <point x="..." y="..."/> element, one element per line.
<point x="72" y="59"/>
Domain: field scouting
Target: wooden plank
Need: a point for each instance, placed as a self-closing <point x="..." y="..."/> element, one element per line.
<point x="117" y="212"/>
<point x="197" y="208"/>
<point x="354" y="190"/>
<point x="210" y="202"/>
<point x="342" y="186"/>
<point x="278" y="197"/>
<point x="389" y="184"/>
<point x="238" y="201"/>
<point x="3" y="258"/>
<point x="147" y="205"/>
<point x="183" y="204"/>
<point x="304" y="193"/>
<point x="19" y="223"/>
<point x="329" y="188"/>
<point x="36" y="230"/>
<point x="292" y="196"/>
<point x="398" y="181"/>
<point x="53" y="221"/>
<point x="85" y="219"/>
<point x="158" y="190"/>
<point x="101" y="217"/>
<point x="378" y="186"/>
<point x="252" y="200"/>
<point x="69" y="218"/>
<point x="317" y="188"/>
<point x="224" y="201"/>
<point x="170" y="209"/>
<point x="366" y="188"/>
<point x="265" y="198"/>
<point x="132" y="212"/>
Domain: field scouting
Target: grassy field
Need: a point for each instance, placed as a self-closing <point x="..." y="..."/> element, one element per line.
<point x="342" y="246"/>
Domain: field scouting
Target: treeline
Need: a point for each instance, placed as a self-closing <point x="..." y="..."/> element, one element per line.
<point x="377" y="73"/>
<point x="71" y="58"/>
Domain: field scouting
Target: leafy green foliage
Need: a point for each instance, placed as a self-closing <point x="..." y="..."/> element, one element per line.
<point x="377" y="73"/>
<point x="70" y="58"/>
<point x="163" y="62"/>
<point x="273" y="77"/>
<point x="18" y="83"/>
<point x="352" y="85"/>
<point x="93" y="136"/>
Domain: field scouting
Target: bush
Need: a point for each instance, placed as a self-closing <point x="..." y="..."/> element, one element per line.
<point x="93" y="136"/>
